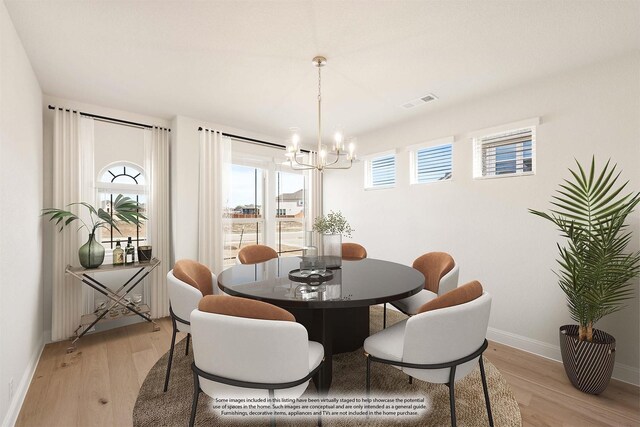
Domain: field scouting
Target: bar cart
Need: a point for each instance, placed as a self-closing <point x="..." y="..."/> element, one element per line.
<point x="117" y="298"/>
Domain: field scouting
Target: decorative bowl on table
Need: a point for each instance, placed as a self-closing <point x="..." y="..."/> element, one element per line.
<point x="311" y="279"/>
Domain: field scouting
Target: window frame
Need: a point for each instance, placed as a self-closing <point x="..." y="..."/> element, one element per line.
<point x="260" y="167"/>
<point x="478" y="142"/>
<point x="368" y="171"/>
<point x="111" y="188"/>
<point x="277" y="242"/>
<point x="413" y="159"/>
<point x="269" y="224"/>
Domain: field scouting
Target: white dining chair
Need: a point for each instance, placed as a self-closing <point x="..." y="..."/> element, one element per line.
<point x="247" y="348"/>
<point x="441" y="276"/>
<point x="187" y="283"/>
<point x="441" y="344"/>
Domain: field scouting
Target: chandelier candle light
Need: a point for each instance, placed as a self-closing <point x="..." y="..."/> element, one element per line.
<point x="323" y="160"/>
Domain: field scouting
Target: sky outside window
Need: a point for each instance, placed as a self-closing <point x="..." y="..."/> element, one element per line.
<point x="243" y="184"/>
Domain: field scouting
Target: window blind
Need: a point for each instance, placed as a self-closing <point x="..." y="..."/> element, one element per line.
<point x="508" y="153"/>
<point x="383" y="171"/>
<point x="433" y="163"/>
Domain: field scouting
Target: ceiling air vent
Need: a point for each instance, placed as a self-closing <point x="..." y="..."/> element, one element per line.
<point x="419" y="101"/>
<point x="429" y="97"/>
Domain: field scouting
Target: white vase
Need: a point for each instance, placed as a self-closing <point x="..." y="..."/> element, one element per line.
<point x="332" y="249"/>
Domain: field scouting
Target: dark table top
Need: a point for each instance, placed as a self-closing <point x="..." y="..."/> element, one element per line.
<point x="356" y="284"/>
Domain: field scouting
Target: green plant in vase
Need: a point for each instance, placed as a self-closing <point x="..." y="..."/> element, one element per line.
<point x="91" y="254"/>
<point x="332" y="227"/>
<point x="596" y="271"/>
<point x="332" y="223"/>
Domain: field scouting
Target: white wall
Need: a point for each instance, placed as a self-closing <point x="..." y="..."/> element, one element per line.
<point x="21" y="336"/>
<point x="484" y="224"/>
<point x="114" y="143"/>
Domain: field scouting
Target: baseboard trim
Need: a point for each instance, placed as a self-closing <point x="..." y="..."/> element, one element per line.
<point x="621" y="372"/>
<point x="21" y="391"/>
<point x="626" y="374"/>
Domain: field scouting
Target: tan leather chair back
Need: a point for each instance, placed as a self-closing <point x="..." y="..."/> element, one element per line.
<point x="434" y="265"/>
<point x="243" y="307"/>
<point x="254" y="254"/>
<point x="195" y="274"/>
<point x="353" y="252"/>
<point x="460" y="295"/>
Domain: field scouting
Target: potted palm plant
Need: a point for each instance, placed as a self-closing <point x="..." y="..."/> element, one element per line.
<point x="595" y="270"/>
<point x="332" y="227"/>
<point x="91" y="254"/>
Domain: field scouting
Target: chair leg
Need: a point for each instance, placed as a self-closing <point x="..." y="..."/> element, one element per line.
<point x="173" y="343"/>
<point x="384" y="316"/>
<point x="368" y="383"/>
<point x="452" y="397"/>
<point x="368" y="375"/>
<point x="186" y="352"/>
<point x="486" y="391"/>
<point x="272" y="422"/>
<point x="320" y="413"/>
<point x="196" y="394"/>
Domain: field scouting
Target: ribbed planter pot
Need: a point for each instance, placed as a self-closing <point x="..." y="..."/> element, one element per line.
<point x="588" y="365"/>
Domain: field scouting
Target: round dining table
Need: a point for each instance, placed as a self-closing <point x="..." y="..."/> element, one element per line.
<point x="335" y="313"/>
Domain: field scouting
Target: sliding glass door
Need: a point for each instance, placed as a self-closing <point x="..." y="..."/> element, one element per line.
<point x="265" y="206"/>
<point x="290" y="213"/>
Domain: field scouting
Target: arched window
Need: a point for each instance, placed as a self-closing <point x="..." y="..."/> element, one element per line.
<point x="129" y="180"/>
<point x="123" y="173"/>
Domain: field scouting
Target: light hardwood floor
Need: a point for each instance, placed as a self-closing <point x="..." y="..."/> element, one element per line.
<point x="98" y="384"/>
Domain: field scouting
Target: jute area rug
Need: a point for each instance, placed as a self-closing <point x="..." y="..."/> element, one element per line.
<point x="173" y="408"/>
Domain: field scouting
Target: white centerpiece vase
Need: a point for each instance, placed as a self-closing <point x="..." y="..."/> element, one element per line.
<point x="332" y="249"/>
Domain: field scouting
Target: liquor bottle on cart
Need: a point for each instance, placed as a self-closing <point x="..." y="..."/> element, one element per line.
<point x="118" y="254"/>
<point x="129" y="252"/>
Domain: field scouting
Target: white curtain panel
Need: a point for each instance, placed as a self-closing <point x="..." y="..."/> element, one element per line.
<point x="89" y="195"/>
<point x="72" y="172"/>
<point x="215" y="171"/>
<point x="157" y="142"/>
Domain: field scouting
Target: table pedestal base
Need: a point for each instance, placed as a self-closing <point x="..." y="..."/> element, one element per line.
<point x="340" y="330"/>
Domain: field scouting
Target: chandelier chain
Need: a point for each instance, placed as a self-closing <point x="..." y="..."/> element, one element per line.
<point x="319" y="82"/>
<point x="320" y="161"/>
<point x="319" y="109"/>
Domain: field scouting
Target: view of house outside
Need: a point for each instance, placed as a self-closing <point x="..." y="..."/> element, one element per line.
<point x="245" y="223"/>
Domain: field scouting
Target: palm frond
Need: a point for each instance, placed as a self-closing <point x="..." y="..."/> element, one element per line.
<point x="123" y="209"/>
<point x="590" y="211"/>
<point x="61" y="217"/>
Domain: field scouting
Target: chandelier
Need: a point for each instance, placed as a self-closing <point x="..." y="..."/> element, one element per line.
<point x="337" y="157"/>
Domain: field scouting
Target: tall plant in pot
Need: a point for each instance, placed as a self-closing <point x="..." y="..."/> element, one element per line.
<point x="596" y="271"/>
<point x="91" y="254"/>
<point x="332" y="227"/>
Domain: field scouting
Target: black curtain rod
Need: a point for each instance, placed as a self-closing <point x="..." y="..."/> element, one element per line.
<point x="257" y="141"/>
<point x="111" y="119"/>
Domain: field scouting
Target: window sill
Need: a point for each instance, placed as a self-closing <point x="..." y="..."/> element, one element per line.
<point x="431" y="182"/>
<point x="381" y="187"/>
<point x="510" y="175"/>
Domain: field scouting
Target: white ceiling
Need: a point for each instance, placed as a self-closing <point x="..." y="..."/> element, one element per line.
<point x="247" y="64"/>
